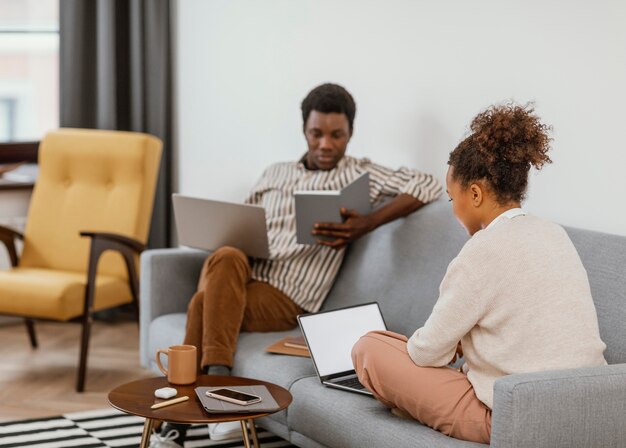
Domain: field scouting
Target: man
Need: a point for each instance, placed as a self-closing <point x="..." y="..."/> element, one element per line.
<point x="266" y="295"/>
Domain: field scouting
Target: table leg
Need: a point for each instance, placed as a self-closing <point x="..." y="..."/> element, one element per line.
<point x="147" y="431"/>
<point x="255" y="439"/>
<point x="244" y="430"/>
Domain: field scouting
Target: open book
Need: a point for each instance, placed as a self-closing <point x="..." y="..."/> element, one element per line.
<point x="313" y="206"/>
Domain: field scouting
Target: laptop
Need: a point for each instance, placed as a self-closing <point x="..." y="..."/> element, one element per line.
<point x="330" y="336"/>
<point x="209" y="224"/>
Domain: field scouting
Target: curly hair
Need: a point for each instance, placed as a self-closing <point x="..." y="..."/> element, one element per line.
<point x="506" y="140"/>
<point x="329" y="98"/>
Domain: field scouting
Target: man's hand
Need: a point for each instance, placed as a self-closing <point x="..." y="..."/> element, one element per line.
<point x="355" y="225"/>
<point x="352" y="227"/>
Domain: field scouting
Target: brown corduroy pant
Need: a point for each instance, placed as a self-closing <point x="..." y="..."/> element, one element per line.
<point x="439" y="397"/>
<point x="228" y="302"/>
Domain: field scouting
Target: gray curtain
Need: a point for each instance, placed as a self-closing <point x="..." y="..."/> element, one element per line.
<point x="115" y="73"/>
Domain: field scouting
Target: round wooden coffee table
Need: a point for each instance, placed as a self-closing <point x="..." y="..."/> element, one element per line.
<point x="137" y="397"/>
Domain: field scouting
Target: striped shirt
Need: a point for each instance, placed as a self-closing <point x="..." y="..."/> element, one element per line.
<point x="305" y="273"/>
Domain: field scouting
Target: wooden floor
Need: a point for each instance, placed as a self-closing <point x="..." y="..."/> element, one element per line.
<point x="41" y="382"/>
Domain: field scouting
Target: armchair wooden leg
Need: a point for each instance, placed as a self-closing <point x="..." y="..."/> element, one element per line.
<point x="30" y="327"/>
<point x="84" y="348"/>
<point x="94" y="255"/>
<point x="101" y="242"/>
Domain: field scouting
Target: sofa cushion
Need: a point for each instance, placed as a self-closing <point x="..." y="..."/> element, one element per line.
<point x="400" y="265"/>
<point x="604" y="258"/>
<point x="252" y="361"/>
<point x="337" y="418"/>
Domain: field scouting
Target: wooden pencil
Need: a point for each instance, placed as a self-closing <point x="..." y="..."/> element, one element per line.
<point x="169" y="402"/>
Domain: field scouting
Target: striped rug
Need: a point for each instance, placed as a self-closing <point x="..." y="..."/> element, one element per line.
<point x="104" y="428"/>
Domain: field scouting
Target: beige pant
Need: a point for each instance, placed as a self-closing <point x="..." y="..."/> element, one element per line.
<point x="228" y="302"/>
<point x="439" y="397"/>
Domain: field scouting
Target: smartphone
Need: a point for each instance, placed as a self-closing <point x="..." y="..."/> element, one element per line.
<point x="233" y="396"/>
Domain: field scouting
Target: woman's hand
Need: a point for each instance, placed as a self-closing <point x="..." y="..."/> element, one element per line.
<point x="458" y="354"/>
<point x="353" y="227"/>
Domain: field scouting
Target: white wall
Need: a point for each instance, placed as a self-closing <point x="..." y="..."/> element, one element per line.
<point x="419" y="71"/>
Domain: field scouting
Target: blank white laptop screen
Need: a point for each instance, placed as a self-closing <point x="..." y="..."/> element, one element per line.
<point x="331" y="335"/>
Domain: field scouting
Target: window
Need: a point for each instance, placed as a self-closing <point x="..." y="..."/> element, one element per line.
<point x="29" y="69"/>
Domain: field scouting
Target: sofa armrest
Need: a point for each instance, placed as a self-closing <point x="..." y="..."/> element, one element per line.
<point x="564" y="408"/>
<point x="169" y="278"/>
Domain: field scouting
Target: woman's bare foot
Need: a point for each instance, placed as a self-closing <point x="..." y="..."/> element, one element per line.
<point x="401" y="413"/>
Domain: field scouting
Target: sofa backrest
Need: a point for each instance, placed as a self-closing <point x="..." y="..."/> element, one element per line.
<point x="604" y="258"/>
<point x="402" y="263"/>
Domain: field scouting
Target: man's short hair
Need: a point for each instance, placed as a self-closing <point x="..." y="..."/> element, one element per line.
<point x="329" y="98"/>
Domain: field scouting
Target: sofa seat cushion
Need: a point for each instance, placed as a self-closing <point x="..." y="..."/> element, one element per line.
<point x="252" y="361"/>
<point x="335" y="418"/>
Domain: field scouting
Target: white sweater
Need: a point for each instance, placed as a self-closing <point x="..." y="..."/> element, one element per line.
<point x="517" y="297"/>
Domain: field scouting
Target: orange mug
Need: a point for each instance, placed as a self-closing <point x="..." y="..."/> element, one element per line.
<point x="181" y="364"/>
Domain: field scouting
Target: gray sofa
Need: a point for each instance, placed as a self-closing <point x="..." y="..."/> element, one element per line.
<point x="401" y="265"/>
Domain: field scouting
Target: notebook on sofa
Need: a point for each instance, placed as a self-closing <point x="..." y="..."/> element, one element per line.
<point x="290" y="345"/>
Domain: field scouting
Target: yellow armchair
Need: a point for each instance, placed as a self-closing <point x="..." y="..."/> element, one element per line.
<point x="88" y="221"/>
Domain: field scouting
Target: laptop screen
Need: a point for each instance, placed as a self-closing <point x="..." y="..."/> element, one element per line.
<point x="331" y="335"/>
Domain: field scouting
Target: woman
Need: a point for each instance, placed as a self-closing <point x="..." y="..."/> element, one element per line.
<point x="516" y="298"/>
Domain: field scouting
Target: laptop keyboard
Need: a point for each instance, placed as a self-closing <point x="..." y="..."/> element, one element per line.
<point x="350" y="382"/>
